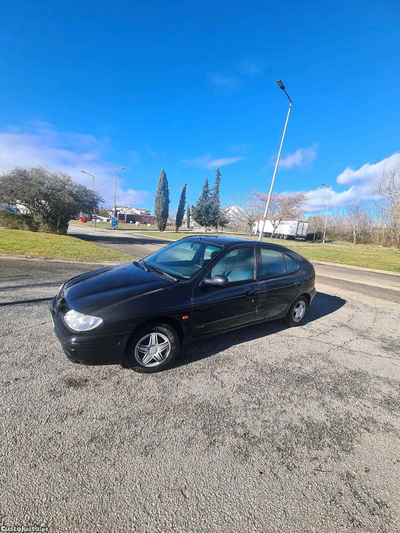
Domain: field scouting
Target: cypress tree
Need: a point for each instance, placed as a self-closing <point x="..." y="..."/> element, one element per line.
<point x="202" y="210"/>
<point x="224" y="219"/>
<point x="188" y="217"/>
<point x="181" y="208"/>
<point x="215" y="201"/>
<point x="161" y="202"/>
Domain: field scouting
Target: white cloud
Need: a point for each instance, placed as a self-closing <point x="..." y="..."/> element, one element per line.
<point x="248" y="68"/>
<point x="251" y="67"/>
<point x="303" y="157"/>
<point x="318" y="198"/>
<point x="226" y="83"/>
<point x="367" y="172"/>
<point x="206" y="161"/>
<point x="359" y="182"/>
<point x="44" y="146"/>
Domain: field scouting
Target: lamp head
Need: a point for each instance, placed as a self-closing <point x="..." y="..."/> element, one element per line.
<point x="281" y="86"/>
<point x="87" y="173"/>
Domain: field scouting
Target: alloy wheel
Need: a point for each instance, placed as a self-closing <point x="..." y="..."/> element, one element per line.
<point x="152" y="349"/>
<point x="299" y="311"/>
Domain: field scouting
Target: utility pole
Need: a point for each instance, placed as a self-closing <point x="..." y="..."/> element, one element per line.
<point x="115" y="189"/>
<point x="94" y="193"/>
<point x="327" y="209"/>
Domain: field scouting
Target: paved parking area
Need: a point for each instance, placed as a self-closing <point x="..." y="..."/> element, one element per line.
<point x="264" y="429"/>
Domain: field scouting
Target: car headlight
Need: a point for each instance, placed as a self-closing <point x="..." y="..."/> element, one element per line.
<point x="79" y="322"/>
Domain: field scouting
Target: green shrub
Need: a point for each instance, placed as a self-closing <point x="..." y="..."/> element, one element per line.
<point x="18" y="221"/>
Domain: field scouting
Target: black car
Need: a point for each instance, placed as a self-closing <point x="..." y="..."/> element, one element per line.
<point x="139" y="314"/>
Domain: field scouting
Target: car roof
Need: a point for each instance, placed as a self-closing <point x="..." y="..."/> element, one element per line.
<point x="231" y="241"/>
<point x="218" y="240"/>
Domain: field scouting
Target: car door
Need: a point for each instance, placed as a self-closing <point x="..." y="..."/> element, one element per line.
<point x="222" y="308"/>
<point x="278" y="283"/>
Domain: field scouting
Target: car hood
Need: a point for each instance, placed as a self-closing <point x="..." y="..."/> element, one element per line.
<point x="104" y="288"/>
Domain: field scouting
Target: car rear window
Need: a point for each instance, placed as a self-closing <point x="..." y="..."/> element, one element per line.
<point x="272" y="263"/>
<point x="275" y="263"/>
<point x="291" y="265"/>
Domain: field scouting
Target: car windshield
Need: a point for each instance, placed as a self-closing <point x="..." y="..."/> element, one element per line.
<point x="183" y="258"/>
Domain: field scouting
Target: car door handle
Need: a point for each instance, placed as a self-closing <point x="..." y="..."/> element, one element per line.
<point x="297" y="283"/>
<point x="250" y="293"/>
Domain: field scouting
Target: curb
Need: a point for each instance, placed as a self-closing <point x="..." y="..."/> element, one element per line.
<point x="352" y="267"/>
<point x="150" y="236"/>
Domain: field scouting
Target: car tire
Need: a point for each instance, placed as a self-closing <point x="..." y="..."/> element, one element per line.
<point x="152" y="348"/>
<point x="297" y="312"/>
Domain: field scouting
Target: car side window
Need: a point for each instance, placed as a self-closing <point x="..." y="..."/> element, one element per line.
<point x="272" y="263"/>
<point x="210" y="252"/>
<point x="237" y="265"/>
<point x="291" y="265"/>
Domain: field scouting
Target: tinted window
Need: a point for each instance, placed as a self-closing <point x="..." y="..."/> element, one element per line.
<point x="272" y="263"/>
<point x="237" y="265"/>
<point x="210" y="252"/>
<point x="291" y="265"/>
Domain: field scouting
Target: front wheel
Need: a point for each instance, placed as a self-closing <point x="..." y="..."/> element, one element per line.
<point x="297" y="312"/>
<point x="152" y="349"/>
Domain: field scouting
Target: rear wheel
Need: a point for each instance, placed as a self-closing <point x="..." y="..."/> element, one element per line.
<point x="152" y="349"/>
<point x="297" y="312"/>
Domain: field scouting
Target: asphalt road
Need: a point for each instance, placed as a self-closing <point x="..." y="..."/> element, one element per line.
<point x="120" y="241"/>
<point x="266" y="429"/>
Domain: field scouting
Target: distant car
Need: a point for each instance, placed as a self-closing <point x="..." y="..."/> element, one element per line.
<point x="139" y="314"/>
<point x="9" y="208"/>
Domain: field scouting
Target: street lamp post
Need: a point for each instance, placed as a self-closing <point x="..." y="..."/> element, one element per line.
<point x="94" y="192"/>
<point x="327" y="209"/>
<point x="115" y="189"/>
<point x="281" y="86"/>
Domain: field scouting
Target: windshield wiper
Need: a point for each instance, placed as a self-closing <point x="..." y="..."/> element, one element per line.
<point x="162" y="272"/>
<point x="143" y="265"/>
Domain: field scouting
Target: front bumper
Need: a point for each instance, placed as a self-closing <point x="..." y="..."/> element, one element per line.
<point x="89" y="349"/>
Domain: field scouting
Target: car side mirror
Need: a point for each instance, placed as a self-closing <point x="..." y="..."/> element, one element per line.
<point x="216" y="281"/>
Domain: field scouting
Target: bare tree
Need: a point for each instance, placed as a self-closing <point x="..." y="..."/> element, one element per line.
<point x="387" y="192"/>
<point x="316" y="223"/>
<point x="171" y="218"/>
<point x="284" y="206"/>
<point x="358" y="218"/>
<point x="246" y="211"/>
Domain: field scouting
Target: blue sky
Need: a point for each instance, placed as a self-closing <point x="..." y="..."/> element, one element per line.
<point x="191" y="85"/>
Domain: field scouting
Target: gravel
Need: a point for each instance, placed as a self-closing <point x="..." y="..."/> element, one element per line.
<point x="266" y="429"/>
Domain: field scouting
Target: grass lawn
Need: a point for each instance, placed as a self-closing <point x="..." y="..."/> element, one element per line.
<point x="55" y="246"/>
<point x="379" y="258"/>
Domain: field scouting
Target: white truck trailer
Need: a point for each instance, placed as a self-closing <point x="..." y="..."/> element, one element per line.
<point x="286" y="229"/>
